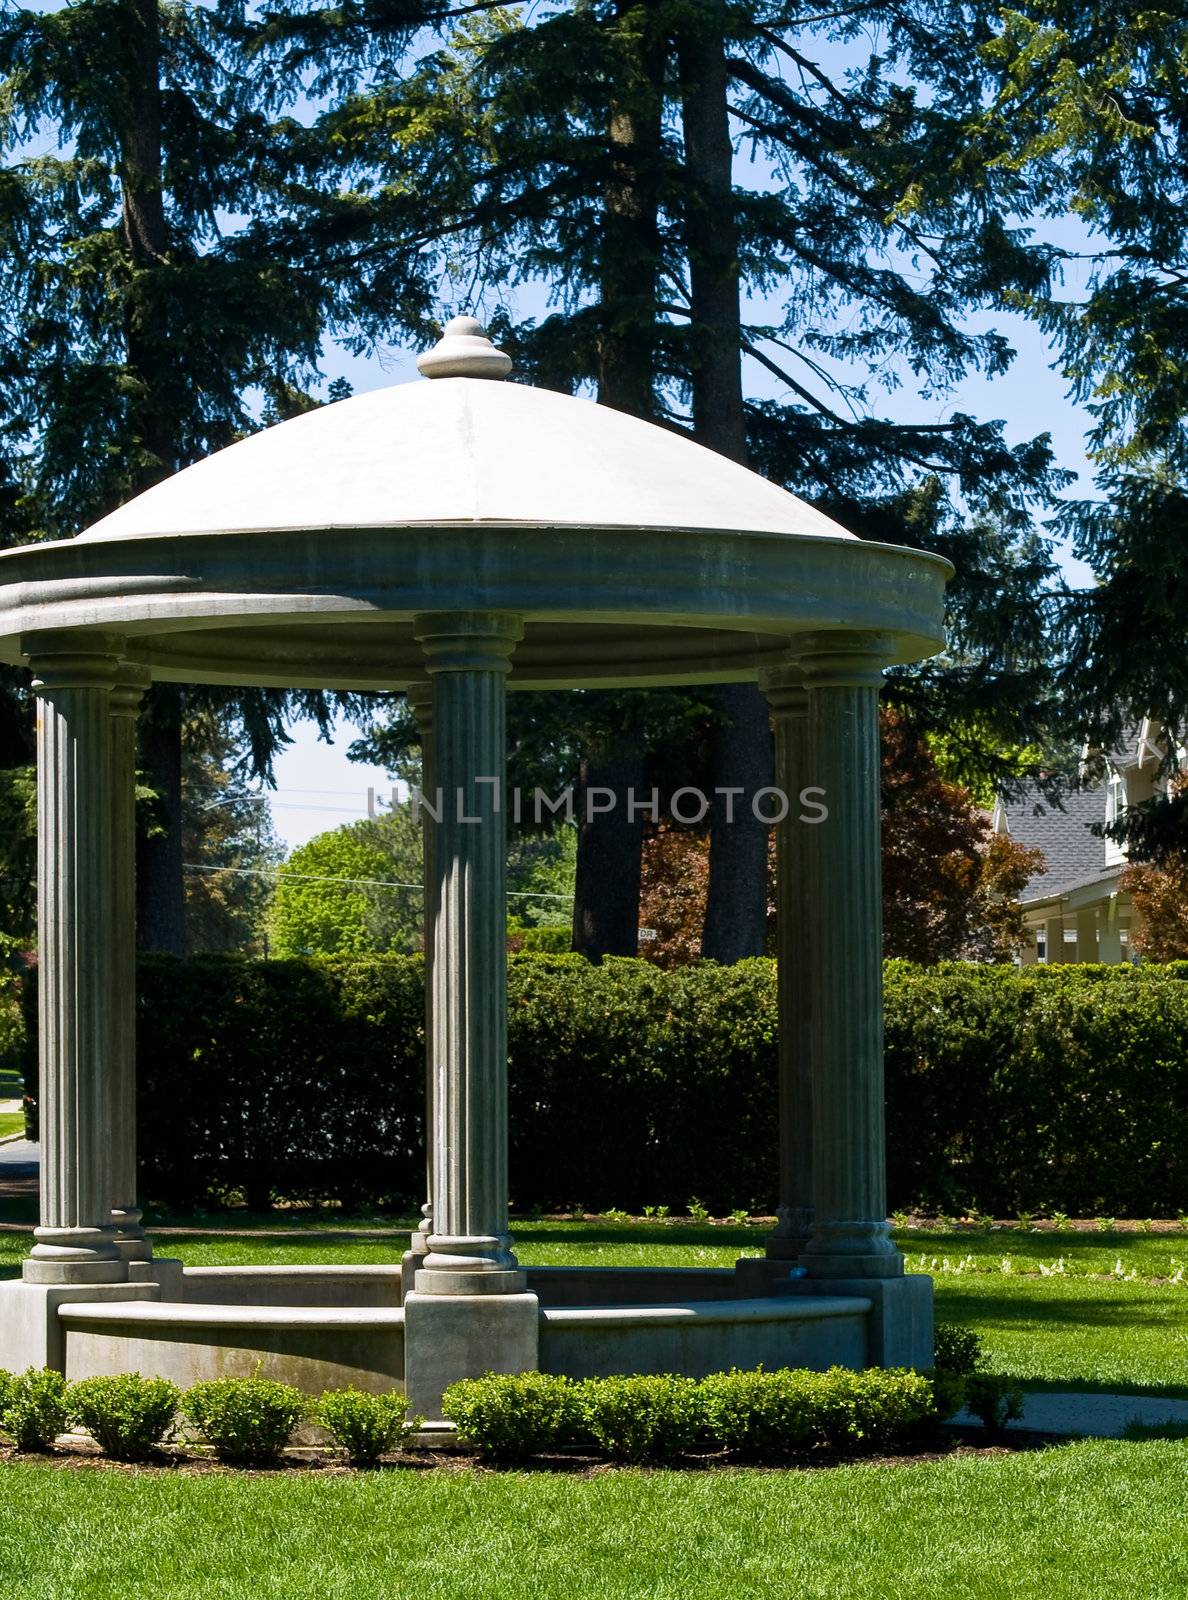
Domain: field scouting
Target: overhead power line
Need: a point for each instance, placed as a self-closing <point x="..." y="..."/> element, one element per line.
<point x="363" y="883"/>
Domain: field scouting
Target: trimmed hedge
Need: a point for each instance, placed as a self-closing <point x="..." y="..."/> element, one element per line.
<point x="1055" y="1088"/>
<point x="657" y="1418"/>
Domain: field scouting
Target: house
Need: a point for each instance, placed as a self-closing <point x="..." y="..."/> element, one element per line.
<point x="1075" y="909"/>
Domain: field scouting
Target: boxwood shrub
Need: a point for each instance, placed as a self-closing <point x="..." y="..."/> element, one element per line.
<point x="762" y="1416"/>
<point x="512" y="1416"/>
<point x="365" y="1426"/>
<point x="247" y="1420"/>
<point x="33" y="1408"/>
<point x="1051" y="1088"/>
<point x="643" y="1418"/>
<point x="127" y="1415"/>
<point x="656" y="1418"/>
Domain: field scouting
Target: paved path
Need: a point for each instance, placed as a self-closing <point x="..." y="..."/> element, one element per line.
<point x="19" y="1162"/>
<point x="1097" y="1416"/>
<point x="20" y="1153"/>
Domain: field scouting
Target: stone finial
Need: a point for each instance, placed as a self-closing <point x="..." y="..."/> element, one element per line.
<point x="464" y="351"/>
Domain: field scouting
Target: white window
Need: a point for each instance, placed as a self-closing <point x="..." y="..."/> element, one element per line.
<point x="1115" y="806"/>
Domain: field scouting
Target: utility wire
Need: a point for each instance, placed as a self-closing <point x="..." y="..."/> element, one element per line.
<point x="368" y="883"/>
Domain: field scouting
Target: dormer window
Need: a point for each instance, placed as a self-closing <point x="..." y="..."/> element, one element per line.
<point x="1115" y="806"/>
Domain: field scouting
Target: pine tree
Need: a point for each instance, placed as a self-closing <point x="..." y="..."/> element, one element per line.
<point x="173" y="244"/>
<point x="881" y="228"/>
<point x="1090" y="113"/>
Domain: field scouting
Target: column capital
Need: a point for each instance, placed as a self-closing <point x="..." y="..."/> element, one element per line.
<point x="132" y="680"/>
<point x="419" y="694"/>
<point x="784" y="688"/>
<point x="72" y="659"/>
<point x="468" y="641"/>
<point x="837" y="660"/>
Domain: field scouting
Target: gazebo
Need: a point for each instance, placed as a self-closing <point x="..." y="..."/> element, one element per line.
<point x="457" y="539"/>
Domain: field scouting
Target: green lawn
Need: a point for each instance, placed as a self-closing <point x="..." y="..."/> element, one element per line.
<point x="1084" y="1522"/>
<point x="11" y="1122"/>
<point x="1070" y="1329"/>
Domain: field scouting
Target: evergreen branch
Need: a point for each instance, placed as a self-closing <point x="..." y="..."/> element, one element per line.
<point x="797" y="388"/>
<point x="805" y="65"/>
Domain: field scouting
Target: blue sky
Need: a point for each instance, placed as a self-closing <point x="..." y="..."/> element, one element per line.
<point x="318" y="788"/>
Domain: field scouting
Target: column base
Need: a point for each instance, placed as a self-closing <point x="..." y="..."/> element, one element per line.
<point x="851" y="1249"/>
<point x="756" y="1277"/>
<point x="791" y="1244"/>
<point x="134" y="1247"/>
<point x="452" y="1336"/>
<point x="478" y="1263"/>
<point x="166" y="1272"/>
<point x="410" y="1264"/>
<point x="412" y="1261"/>
<point x="470" y="1281"/>
<point x="130" y="1238"/>
<point x="899" y="1329"/>
<point x="74" y="1255"/>
<point x="47" y="1270"/>
<point x="855" y="1266"/>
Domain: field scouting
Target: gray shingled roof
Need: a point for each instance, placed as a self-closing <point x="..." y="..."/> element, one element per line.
<point x="1072" y="855"/>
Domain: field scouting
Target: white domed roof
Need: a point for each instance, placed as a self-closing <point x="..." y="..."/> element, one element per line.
<point x="463" y="449"/>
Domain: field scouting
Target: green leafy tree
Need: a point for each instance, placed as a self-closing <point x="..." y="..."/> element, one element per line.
<point x="541" y="874"/>
<point x="356" y="890"/>
<point x="18" y="855"/>
<point x="574" y="741"/>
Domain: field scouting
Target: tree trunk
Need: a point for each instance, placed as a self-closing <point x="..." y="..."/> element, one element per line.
<point x="155" y="408"/>
<point x="610" y="853"/>
<point x="154" y="405"/>
<point x="610" y="846"/>
<point x="736" y="902"/>
<point x="160" y="888"/>
<point x="630" y="256"/>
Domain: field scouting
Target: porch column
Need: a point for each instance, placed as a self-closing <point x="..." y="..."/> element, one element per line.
<point x="788" y="700"/>
<point x="124" y="709"/>
<point x="850" y="1238"/>
<point x="1110" y="948"/>
<point x="420" y="700"/>
<point x="1087" y="935"/>
<point x="468" y="655"/>
<point x="1054" y="941"/>
<point x="75" y="1240"/>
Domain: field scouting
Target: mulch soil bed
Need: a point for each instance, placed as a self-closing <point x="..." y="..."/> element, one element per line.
<point x="72" y="1455"/>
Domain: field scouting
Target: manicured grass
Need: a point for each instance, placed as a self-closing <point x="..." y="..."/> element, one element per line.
<point x="1084" y="1522"/>
<point x="11" y="1122"/>
<point x="1070" y="1329"/>
<point x="1070" y="1333"/>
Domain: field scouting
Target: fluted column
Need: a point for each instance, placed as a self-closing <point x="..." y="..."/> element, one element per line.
<point x="75" y="1240"/>
<point x="124" y="709"/>
<point x="850" y="1237"/>
<point x="420" y="699"/>
<point x="468" y="655"/>
<point x="788" y="700"/>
